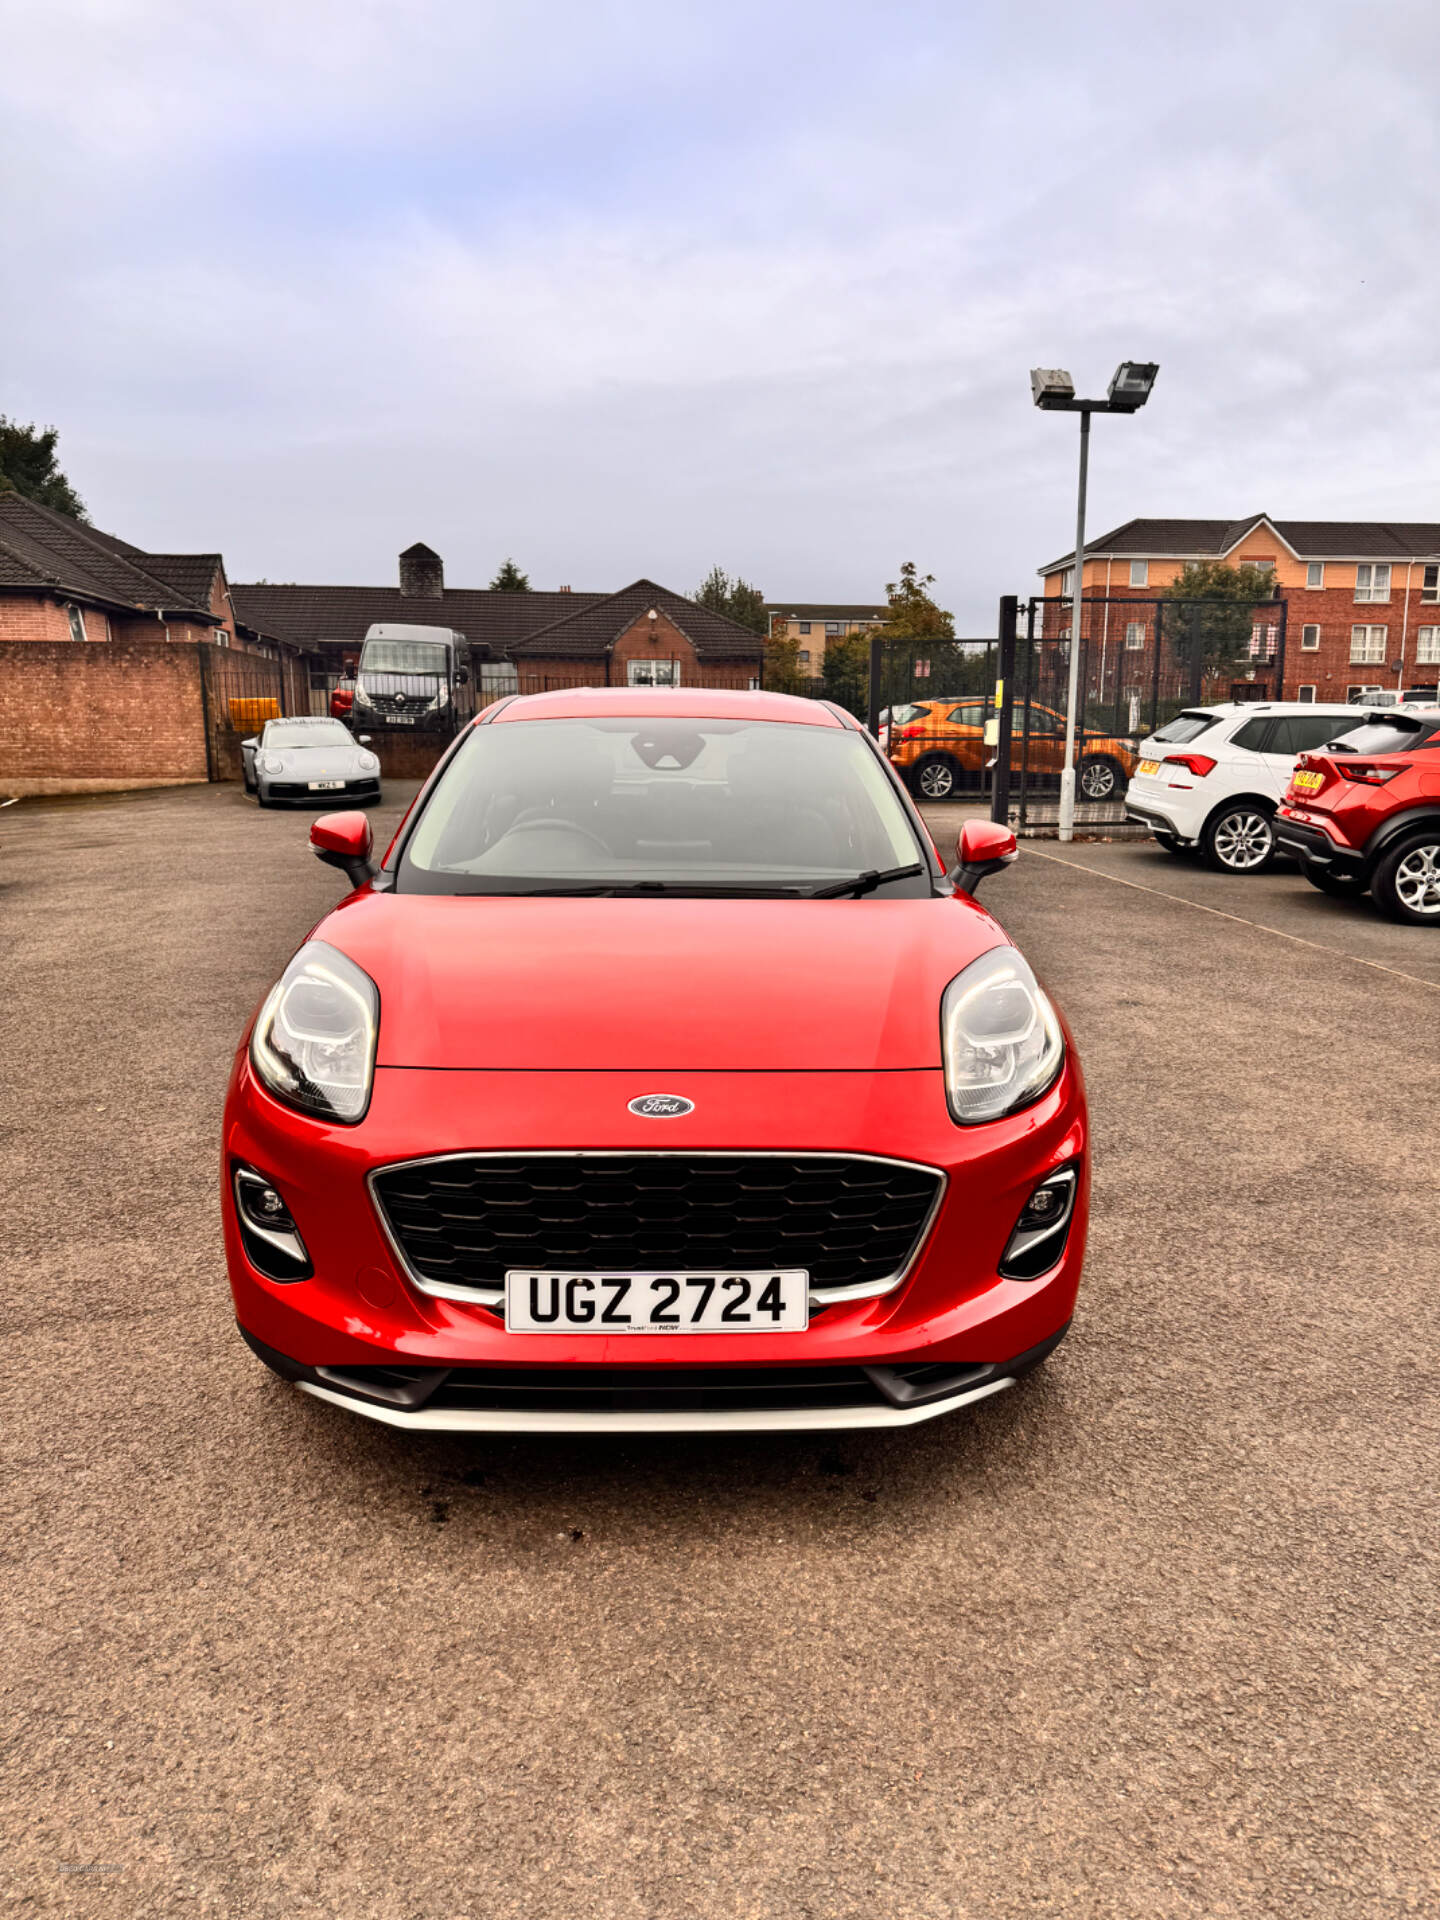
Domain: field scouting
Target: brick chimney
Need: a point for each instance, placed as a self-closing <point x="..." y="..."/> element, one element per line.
<point x="422" y="573"/>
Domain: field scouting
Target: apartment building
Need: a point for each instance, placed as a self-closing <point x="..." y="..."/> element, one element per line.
<point x="1361" y="597"/>
<point x="813" y="623"/>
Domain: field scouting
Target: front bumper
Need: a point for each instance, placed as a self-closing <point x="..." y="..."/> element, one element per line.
<point x="681" y="1400"/>
<point x="360" y="1310"/>
<point x="299" y="790"/>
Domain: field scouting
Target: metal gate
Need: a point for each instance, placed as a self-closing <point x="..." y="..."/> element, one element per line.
<point x="239" y="693"/>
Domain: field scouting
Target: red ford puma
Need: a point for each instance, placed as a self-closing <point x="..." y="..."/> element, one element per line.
<point x="658" y="1080"/>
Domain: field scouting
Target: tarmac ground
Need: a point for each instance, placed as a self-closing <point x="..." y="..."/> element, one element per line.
<point x="1153" y="1634"/>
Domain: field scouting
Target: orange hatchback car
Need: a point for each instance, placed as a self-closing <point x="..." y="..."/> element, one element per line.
<point x="938" y="746"/>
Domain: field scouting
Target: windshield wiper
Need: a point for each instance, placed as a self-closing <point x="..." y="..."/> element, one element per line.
<point x="865" y="882"/>
<point x="698" y="888"/>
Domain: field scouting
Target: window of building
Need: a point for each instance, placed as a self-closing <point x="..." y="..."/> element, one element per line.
<point x="1310" y="639"/>
<point x="1261" y="566"/>
<point x="1067" y="581"/>
<point x="1427" y="645"/>
<point x="1372" y="583"/>
<point x="1306" y="694"/>
<point x="1430" y="583"/>
<point x="1315" y="574"/>
<point x="1367" y="644"/>
<point x="77" y="623"/>
<point x="1264" y="641"/>
<point x="1135" y="634"/>
<point x="653" y="673"/>
<point x="804" y="626"/>
<point x="1139" y="573"/>
<point x="832" y="626"/>
<point x="804" y="656"/>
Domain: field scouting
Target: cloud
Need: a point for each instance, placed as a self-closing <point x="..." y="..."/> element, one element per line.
<point x="632" y="287"/>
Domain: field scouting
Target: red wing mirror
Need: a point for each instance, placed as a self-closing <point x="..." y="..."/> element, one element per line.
<point x="344" y="840"/>
<point x="984" y="847"/>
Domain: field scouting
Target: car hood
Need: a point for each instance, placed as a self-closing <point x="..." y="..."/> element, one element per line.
<point x="660" y="985"/>
<point x="315" y="763"/>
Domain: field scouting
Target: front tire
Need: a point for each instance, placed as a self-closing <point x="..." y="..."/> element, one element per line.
<point x="937" y="777"/>
<point x="1239" y="838"/>
<point x="1101" y="779"/>
<point x="1406" y="885"/>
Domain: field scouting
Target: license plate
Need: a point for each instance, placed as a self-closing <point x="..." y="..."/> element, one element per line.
<point x="750" y="1302"/>
<point x="324" y="786"/>
<point x="1148" y="766"/>
<point x="1308" y="782"/>
<point x="402" y="719"/>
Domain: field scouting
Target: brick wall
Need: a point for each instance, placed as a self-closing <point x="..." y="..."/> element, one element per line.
<point x="92" y="719"/>
<point x="32" y="619"/>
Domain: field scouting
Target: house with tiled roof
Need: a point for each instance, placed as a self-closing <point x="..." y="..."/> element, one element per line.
<point x="61" y="579"/>
<point x="1360" y="598"/>
<point x="642" y="636"/>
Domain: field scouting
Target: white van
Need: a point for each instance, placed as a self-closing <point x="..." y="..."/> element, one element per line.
<point x="407" y="676"/>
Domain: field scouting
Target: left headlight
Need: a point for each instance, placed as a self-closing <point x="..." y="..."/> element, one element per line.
<point x="313" y="1045"/>
<point x="1000" y="1037"/>
<point x="271" y="763"/>
<point x="367" y="762"/>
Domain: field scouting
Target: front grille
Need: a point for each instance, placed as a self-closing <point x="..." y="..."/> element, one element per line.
<point x="845" y="1219"/>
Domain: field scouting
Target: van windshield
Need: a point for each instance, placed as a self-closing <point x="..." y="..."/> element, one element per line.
<point x="403" y="656"/>
<point x="636" y="805"/>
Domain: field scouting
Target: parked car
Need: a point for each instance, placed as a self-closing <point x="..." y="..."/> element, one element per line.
<point x="312" y="759"/>
<point x="1212" y="777"/>
<point x="939" y="747"/>
<point x="342" y="698"/>
<point x="480" y="1174"/>
<point x="1365" y="814"/>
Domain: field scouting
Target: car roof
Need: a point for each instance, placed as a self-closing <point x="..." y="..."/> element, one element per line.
<point x="671" y="703"/>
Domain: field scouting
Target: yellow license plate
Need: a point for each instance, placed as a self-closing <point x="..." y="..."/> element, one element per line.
<point x="1308" y="782"/>
<point x="1148" y="766"/>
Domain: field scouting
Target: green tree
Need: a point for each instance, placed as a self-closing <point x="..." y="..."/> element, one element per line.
<point x="782" y="660"/>
<point x="736" y="599"/>
<point x="913" y="613"/>
<point x="1208" y="612"/>
<point x="510" y="580"/>
<point x="846" y="672"/>
<point x="28" y="467"/>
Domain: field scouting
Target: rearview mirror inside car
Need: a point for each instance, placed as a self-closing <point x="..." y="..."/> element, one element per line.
<point x="984" y="847"/>
<point x="344" y="840"/>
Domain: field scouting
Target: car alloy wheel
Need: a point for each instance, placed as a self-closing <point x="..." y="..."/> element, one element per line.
<point x="935" y="778"/>
<point x="1241" y="841"/>
<point x="1099" y="780"/>
<point x="1408" y="883"/>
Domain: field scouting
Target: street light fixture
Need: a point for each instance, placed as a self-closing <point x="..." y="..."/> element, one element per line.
<point x="1053" y="390"/>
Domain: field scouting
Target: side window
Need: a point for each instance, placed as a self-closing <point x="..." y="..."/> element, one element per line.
<point x="1307" y="733"/>
<point x="1042" y="721"/>
<point x="1252" y="736"/>
<point x="967" y="716"/>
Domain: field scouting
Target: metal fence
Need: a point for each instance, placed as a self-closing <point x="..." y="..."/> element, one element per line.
<point x="239" y="693"/>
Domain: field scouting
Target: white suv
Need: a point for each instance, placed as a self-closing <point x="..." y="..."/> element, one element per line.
<point x="1213" y="776"/>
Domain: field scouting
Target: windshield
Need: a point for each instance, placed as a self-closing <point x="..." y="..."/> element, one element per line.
<point x="1397" y="735"/>
<point x="1185" y="726"/>
<point x="403" y="656"/>
<point x="722" y="805"/>
<point x="285" y="734"/>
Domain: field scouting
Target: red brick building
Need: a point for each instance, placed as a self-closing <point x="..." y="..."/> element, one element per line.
<point x="643" y="636"/>
<point x="61" y="580"/>
<point x="1361" y="598"/>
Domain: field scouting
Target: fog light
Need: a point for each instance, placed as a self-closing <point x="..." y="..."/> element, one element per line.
<point x="271" y="1239"/>
<point x="1040" y="1233"/>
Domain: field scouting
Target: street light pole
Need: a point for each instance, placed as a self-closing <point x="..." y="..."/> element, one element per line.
<point x="1077" y="607"/>
<point x="1054" y="390"/>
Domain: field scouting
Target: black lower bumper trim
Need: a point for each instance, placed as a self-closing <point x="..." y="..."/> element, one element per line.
<point x="1315" y="848"/>
<point x="597" y="1389"/>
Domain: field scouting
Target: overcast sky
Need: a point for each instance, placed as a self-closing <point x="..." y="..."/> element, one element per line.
<point x="638" y="286"/>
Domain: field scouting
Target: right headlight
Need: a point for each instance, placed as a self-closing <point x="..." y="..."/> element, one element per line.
<point x="271" y="763"/>
<point x="313" y="1045"/>
<point x="1000" y="1038"/>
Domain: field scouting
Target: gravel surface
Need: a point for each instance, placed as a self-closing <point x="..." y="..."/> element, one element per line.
<point x="1153" y="1634"/>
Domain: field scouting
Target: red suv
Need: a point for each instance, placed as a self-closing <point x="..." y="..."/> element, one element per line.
<point x="1365" y="813"/>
